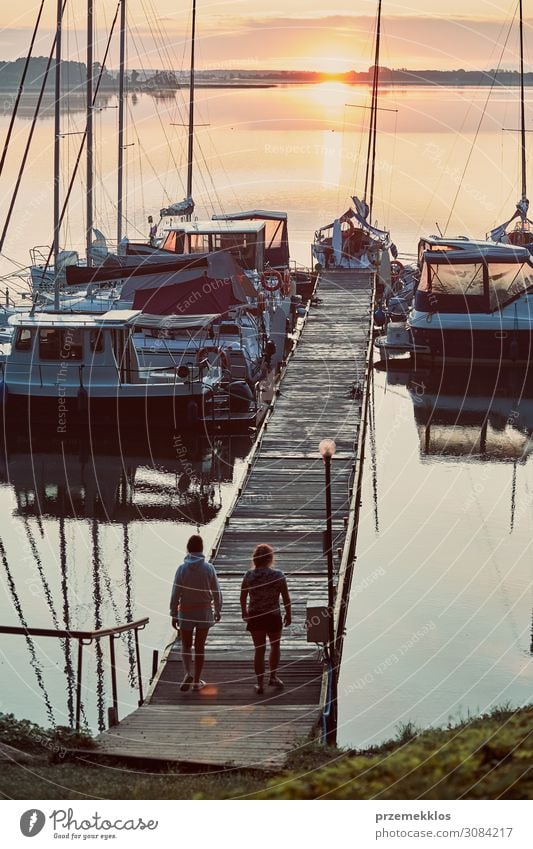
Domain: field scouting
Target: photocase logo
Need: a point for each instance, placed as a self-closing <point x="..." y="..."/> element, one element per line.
<point x="32" y="822"/>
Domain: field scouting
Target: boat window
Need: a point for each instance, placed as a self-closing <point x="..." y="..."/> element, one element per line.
<point x="170" y="242"/>
<point x="96" y="341"/>
<point x="23" y="339"/>
<point x="447" y="279"/>
<point x="198" y="243"/>
<point x="506" y="281"/>
<point x="59" y="344"/>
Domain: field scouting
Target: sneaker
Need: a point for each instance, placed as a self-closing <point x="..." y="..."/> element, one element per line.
<point x="186" y="683"/>
<point x="276" y="682"/>
<point x="198" y="686"/>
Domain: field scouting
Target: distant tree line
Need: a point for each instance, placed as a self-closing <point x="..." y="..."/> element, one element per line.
<point x="74" y="74"/>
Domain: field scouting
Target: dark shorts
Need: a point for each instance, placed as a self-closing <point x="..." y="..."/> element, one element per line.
<point x="269" y="623"/>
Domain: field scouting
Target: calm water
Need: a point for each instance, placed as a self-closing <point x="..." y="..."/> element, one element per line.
<point x="441" y="610"/>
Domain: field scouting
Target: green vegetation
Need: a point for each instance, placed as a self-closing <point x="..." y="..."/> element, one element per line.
<point x="489" y="757"/>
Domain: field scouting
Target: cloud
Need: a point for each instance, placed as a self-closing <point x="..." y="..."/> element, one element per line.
<point x="296" y="41"/>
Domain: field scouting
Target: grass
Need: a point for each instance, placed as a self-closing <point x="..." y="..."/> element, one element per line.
<point x="487" y="757"/>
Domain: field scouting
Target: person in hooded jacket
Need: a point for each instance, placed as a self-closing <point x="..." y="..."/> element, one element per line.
<point x="195" y="592"/>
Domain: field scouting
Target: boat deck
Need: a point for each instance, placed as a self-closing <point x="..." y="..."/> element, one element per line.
<point x="282" y="503"/>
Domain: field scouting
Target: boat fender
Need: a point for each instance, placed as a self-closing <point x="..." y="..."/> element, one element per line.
<point x="83" y="400"/>
<point x="266" y="280"/>
<point x="380" y="319"/>
<point x="192" y="413"/>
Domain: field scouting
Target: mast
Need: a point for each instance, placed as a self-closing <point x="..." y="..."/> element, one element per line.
<point x="522" y="111"/>
<point x="191" y="108"/>
<point x="90" y="130"/>
<point x="57" y="150"/>
<point x="120" y="164"/>
<point x="374" y="113"/>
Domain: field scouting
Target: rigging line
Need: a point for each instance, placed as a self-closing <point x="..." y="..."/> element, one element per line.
<point x="458" y="135"/>
<point x="196" y="141"/>
<point x="21" y="88"/>
<point x="147" y="157"/>
<point x="29" y="139"/>
<point x="474" y="140"/>
<point x="84" y="137"/>
<point x="134" y="40"/>
<point x="372" y="104"/>
<point x="375" y="116"/>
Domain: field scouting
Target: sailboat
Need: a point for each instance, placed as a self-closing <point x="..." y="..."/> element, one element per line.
<point x="474" y="301"/>
<point x="350" y="241"/>
<point x="521" y="234"/>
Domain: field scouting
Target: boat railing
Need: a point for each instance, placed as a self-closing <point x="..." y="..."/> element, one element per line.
<point x="65" y="374"/>
<point x="86" y="638"/>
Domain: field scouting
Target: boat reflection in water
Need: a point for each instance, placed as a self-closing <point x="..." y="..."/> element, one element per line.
<point x="79" y="556"/>
<point x="481" y="416"/>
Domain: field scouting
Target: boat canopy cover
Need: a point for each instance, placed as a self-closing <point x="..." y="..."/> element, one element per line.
<point x="472" y="254"/>
<point x="182" y="207"/>
<point x="175" y="322"/>
<point x="251" y="214"/>
<point x="215" y="289"/>
<point x="124" y="267"/>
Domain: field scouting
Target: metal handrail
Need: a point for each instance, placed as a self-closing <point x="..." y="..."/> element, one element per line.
<point x="86" y="638"/>
<point x="76" y="635"/>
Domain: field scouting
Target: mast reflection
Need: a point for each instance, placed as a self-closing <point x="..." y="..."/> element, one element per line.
<point x="120" y="482"/>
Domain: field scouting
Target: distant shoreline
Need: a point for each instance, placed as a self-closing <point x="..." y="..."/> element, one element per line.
<point x="153" y="81"/>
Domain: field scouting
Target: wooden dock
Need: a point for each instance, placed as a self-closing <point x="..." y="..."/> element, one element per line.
<point x="322" y="394"/>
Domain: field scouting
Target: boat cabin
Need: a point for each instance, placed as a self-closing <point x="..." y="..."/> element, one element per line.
<point x="244" y="240"/>
<point x="66" y="349"/>
<point x="276" y="233"/>
<point x="472" y="281"/>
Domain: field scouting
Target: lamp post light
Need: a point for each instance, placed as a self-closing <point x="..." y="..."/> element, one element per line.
<point x="327" y="449"/>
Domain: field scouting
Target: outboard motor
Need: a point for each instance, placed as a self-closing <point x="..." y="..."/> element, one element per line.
<point x="240" y="396"/>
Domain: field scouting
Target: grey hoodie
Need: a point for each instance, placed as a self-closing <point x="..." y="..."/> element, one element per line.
<point x="195" y="588"/>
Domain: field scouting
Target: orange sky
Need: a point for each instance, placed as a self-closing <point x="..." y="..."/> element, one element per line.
<point x="293" y="34"/>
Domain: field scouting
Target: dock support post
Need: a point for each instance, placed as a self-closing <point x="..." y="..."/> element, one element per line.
<point x="139" y="673"/>
<point x="113" y="673"/>
<point x="327" y="449"/>
<point x="155" y="662"/>
<point x="78" y="685"/>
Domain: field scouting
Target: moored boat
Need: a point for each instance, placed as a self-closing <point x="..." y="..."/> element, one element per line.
<point x="62" y="370"/>
<point x="475" y="305"/>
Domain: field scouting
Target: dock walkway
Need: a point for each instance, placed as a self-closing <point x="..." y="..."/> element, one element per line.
<point x="282" y="503"/>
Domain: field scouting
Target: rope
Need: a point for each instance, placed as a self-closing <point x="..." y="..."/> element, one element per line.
<point x="84" y="138"/>
<point x="474" y="140"/>
<point x="20" y="88"/>
<point x="29" y="139"/>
